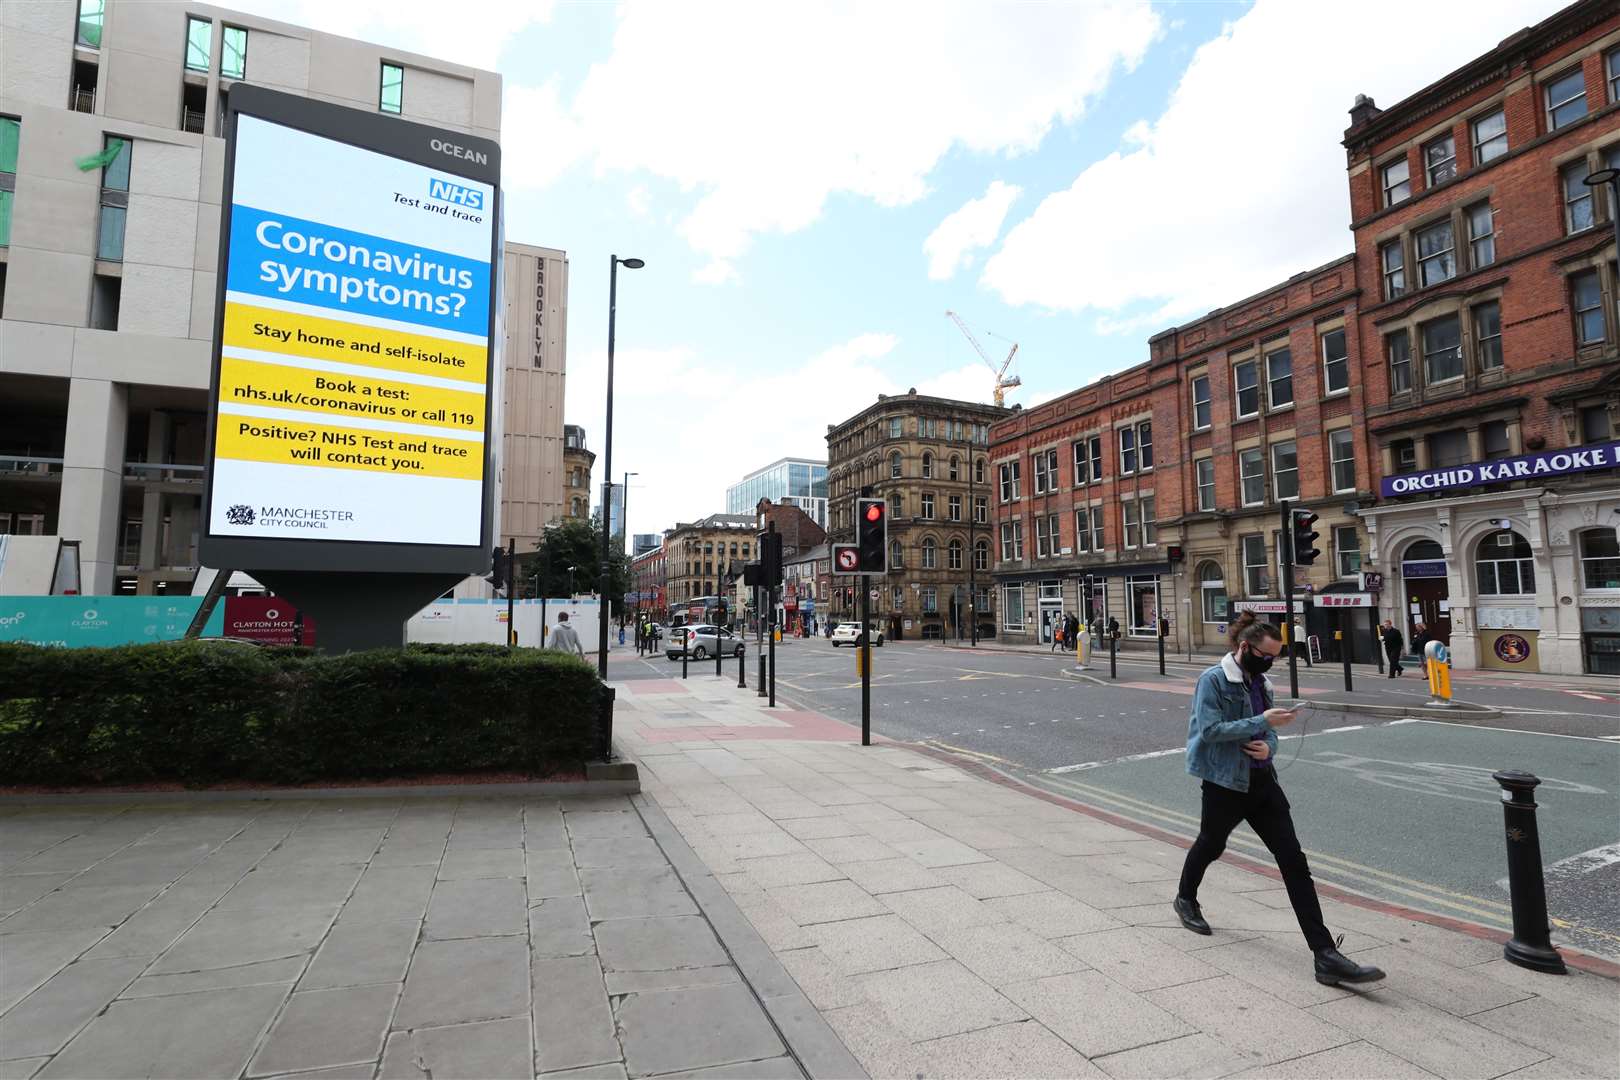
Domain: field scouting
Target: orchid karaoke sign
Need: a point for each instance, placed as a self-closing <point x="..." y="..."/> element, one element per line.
<point x="1575" y="459"/>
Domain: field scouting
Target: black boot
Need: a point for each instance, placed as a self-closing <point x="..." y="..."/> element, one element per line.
<point x="1192" y="917"/>
<point x="1333" y="967"/>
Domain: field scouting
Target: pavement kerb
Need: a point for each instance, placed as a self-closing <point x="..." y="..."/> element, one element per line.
<point x="803" y="1030"/>
<point x="1459" y="711"/>
<point x="1575" y="958"/>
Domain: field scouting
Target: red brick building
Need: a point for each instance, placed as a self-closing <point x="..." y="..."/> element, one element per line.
<point x="648" y="580"/>
<point x="1488" y="330"/>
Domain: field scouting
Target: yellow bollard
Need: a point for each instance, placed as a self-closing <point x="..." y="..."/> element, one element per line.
<point x="860" y="662"/>
<point x="1439" y="673"/>
<point x="1080" y="650"/>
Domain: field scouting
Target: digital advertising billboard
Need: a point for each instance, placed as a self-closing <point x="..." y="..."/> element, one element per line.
<point x="353" y="376"/>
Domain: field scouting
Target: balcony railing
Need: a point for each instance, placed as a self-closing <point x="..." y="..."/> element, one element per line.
<point x="191" y="120"/>
<point x="164" y="471"/>
<point x="31" y="466"/>
<point x="83" y="100"/>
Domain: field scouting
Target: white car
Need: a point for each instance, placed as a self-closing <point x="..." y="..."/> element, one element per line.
<point x="705" y="639"/>
<point x="849" y="633"/>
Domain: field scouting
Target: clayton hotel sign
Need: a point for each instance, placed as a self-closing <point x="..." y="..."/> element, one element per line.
<point x="1575" y="459"/>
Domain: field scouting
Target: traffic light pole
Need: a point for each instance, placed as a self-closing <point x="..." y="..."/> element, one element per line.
<point x="1287" y="553"/>
<point x="511" y="592"/>
<point x="866" y="661"/>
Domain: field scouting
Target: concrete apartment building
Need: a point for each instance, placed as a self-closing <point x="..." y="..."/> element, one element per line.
<point x="928" y="457"/>
<point x="107" y="274"/>
<point x="1490" y="333"/>
<point x="801" y="482"/>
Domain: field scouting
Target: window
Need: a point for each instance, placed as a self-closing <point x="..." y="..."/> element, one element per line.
<point x="1440" y="160"/>
<point x="1200" y="403"/>
<point x="953" y="510"/>
<point x="1254" y="566"/>
<point x="1612" y="67"/>
<point x="91" y="13"/>
<point x="1285" y="469"/>
<point x="1595" y="426"/>
<point x="1394" y="260"/>
<point x="981" y="509"/>
<point x="930" y="600"/>
<point x="1400" y="362"/>
<point x="927" y="512"/>
<point x="981" y="555"/>
<point x="1600" y="556"/>
<point x="199" y="39"/>
<point x="978" y="471"/>
<point x="1335" y="362"/>
<point x="1144" y="443"/>
<point x="1490" y="137"/>
<point x="1044" y="478"/>
<point x="1213" y="587"/>
<point x="1097" y="528"/>
<point x="1578" y="212"/>
<point x="1280" y="378"/>
<point x="1150" y="523"/>
<point x="1588" y="303"/>
<point x="1342" y="459"/>
<point x="391" y="94"/>
<point x="1131" y="523"/>
<point x="897" y="598"/>
<point x="10" y="135"/>
<point x="1143" y="591"/>
<point x="1435" y="252"/>
<point x="1252" y="470"/>
<point x="953" y="555"/>
<point x="895" y="426"/>
<point x="1505" y="566"/>
<point x="1397" y="182"/>
<point x="927" y="465"/>
<point x="1009" y="481"/>
<point x="1347" y="550"/>
<point x="930" y="553"/>
<point x="1082" y="530"/>
<point x="114" y="198"/>
<point x="1246" y="381"/>
<point x="894" y="465"/>
<point x="1493" y="437"/>
<point x="1206" y="483"/>
<point x="1488" y="335"/>
<point x="1566" y="99"/>
<point x="1404" y="454"/>
<point x="1442" y="350"/>
<point x="955" y="468"/>
<point x="896" y="554"/>
<point x="1127" y="450"/>
<point x="1447" y="448"/>
<point x="1088" y="460"/>
<point x="1012" y="541"/>
<point x="1481" y="235"/>
<point x="233" y="53"/>
<point x="1012" y="607"/>
<point x="1043" y="544"/>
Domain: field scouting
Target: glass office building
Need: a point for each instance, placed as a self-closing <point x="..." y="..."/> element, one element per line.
<point x="798" y="481"/>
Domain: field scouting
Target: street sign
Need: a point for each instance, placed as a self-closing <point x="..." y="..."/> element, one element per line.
<point x="1371" y="581"/>
<point x="1266" y="607"/>
<point x="847" y="560"/>
<point x="1345" y="599"/>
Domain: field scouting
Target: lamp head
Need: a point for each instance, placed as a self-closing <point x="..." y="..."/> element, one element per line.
<point x="1601" y="176"/>
<point x="632" y="264"/>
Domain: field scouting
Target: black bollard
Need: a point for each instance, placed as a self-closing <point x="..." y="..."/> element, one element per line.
<point x="1113" y="655"/>
<point x="761" y="673"/>
<point x="742" y="677"/>
<point x="1164" y="630"/>
<point x="1343" y="634"/>
<point x="1531" y="945"/>
<point x="717" y="657"/>
<point x="686" y="652"/>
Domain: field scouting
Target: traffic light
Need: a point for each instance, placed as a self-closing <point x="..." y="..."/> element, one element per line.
<point x="1304" y="537"/>
<point x="497" y="569"/>
<point x="751" y="574"/>
<point x="872" y="535"/>
<point x="770" y="559"/>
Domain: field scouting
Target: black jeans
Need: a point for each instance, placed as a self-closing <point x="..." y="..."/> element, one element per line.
<point x="1394" y="662"/>
<point x="1265" y="808"/>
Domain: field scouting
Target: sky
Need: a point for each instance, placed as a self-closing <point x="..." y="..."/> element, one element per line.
<point x="812" y="187"/>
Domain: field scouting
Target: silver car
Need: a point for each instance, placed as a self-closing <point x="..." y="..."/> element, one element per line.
<point x="703" y="642"/>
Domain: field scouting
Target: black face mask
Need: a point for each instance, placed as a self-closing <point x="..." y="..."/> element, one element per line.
<point x="1256" y="663"/>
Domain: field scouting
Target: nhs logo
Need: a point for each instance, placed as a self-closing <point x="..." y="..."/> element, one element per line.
<point x="445" y="191"/>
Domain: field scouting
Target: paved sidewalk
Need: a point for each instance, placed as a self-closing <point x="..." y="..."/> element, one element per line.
<point x="397" y="938"/>
<point x="949" y="925"/>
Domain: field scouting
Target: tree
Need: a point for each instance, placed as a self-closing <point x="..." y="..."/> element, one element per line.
<point x="568" y="560"/>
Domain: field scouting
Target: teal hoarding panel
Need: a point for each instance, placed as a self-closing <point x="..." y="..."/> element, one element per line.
<point x="81" y="621"/>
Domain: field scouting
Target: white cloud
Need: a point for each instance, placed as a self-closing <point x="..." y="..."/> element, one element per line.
<point x="473" y="32"/>
<point x="637" y="200"/>
<point x="715" y="272"/>
<point x="1241" y="181"/>
<point x="973" y="225"/>
<point x="764" y="111"/>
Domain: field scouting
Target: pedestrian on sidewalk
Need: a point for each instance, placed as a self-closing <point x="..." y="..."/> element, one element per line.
<point x="1057" y="632"/>
<point x="563" y="638"/>
<point x="1420" y="641"/>
<point x="1393" y="644"/>
<point x="1231" y="741"/>
<point x="1071" y="630"/>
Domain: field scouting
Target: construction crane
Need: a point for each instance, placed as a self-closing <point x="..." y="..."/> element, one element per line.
<point x="1004" y="382"/>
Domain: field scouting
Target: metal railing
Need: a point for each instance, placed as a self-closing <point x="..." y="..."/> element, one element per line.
<point x="191" y="120"/>
<point x="33" y="466"/>
<point x="82" y="100"/>
<point x="164" y="470"/>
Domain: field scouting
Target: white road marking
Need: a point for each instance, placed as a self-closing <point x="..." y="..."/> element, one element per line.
<point x="1348" y="727"/>
<point x="1517" y="731"/>
<point x="1117" y="761"/>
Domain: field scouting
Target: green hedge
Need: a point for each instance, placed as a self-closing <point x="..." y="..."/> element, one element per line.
<point x="205" y="712"/>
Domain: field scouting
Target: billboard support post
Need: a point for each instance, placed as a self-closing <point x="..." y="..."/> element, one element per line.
<point x="351" y="440"/>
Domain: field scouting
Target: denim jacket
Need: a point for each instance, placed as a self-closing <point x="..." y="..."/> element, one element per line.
<point x="1222" y="721"/>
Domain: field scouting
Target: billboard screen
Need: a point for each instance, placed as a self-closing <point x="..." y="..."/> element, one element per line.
<point x="352" y="382"/>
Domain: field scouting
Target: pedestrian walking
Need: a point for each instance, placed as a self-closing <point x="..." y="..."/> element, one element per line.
<point x="1071" y="630"/>
<point x="563" y="638"/>
<point x="1231" y="741"/>
<point x="1420" y="639"/>
<point x="1057" y="631"/>
<point x="1393" y="644"/>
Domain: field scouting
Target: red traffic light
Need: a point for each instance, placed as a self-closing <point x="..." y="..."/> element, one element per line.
<point x="874" y="511"/>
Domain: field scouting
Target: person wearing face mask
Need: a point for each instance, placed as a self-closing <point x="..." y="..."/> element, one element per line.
<point x="1231" y="741"/>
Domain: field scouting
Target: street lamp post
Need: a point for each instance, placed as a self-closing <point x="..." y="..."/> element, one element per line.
<point x="624" y="523"/>
<point x="607" y="466"/>
<point x="973" y="548"/>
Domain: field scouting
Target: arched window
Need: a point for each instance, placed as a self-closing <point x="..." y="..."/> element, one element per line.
<point x="953" y="555"/>
<point x="978" y="471"/>
<point x="1423" y="550"/>
<point x="956" y="464"/>
<point x="895" y="556"/>
<point x="981" y="555"/>
<point x="929" y="553"/>
<point x="1504" y="565"/>
<point x="1600" y="559"/>
<point x="1212" y="584"/>
<point x="928" y="465"/>
<point x="894" y="465"/>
